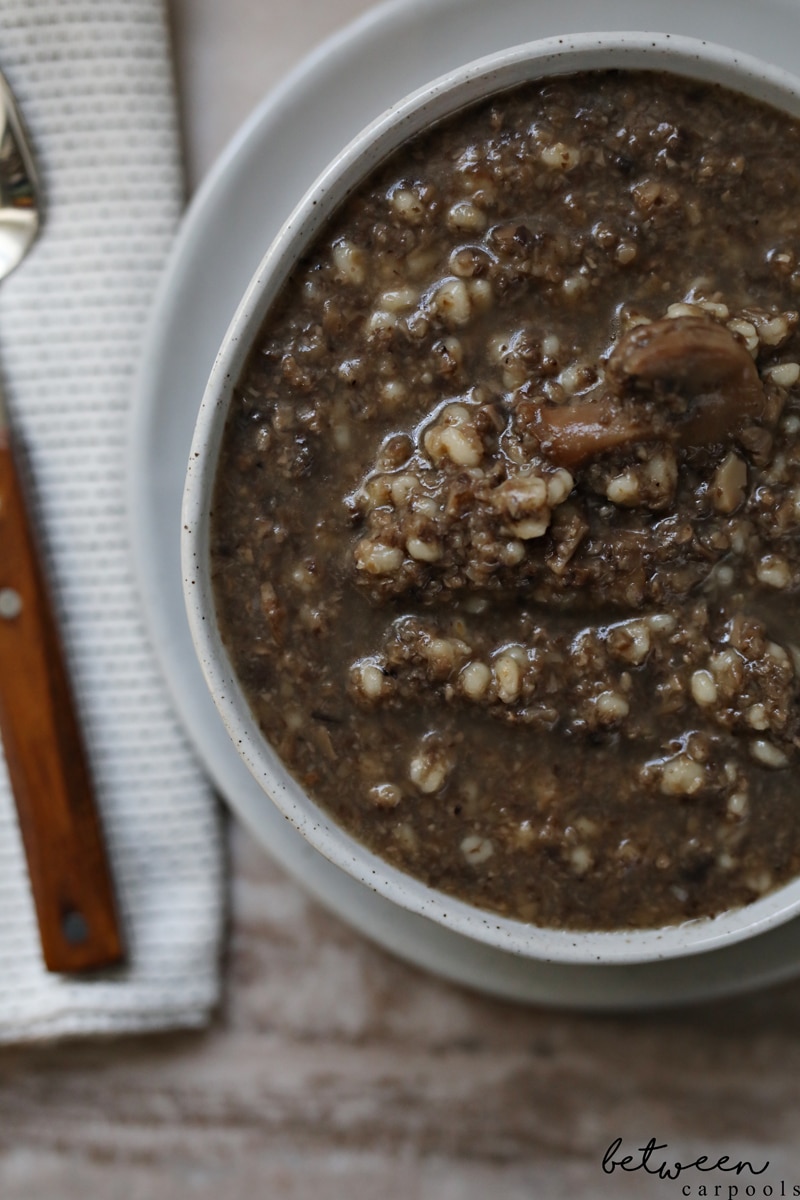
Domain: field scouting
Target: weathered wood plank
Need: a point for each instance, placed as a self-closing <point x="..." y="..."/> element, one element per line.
<point x="335" y="1066"/>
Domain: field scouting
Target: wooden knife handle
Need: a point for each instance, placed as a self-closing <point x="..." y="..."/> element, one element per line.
<point x="45" y="755"/>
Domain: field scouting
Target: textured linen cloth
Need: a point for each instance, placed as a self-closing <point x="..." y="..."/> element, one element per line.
<point x="93" y="79"/>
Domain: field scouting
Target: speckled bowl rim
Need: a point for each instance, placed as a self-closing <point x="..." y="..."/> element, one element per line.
<point x="447" y="94"/>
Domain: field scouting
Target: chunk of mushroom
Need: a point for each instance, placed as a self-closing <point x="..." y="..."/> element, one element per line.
<point x="689" y="358"/>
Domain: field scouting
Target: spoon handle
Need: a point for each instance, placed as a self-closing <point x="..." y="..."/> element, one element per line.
<point x="46" y="759"/>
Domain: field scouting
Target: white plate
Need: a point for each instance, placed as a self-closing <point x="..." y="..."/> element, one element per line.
<point x="268" y="165"/>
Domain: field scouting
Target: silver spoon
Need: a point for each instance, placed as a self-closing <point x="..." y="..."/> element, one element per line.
<point x="45" y="756"/>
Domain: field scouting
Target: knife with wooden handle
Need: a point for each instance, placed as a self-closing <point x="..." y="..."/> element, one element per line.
<point x="45" y="755"/>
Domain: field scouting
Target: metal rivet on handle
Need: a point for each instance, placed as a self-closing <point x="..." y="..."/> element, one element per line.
<point x="10" y="604"/>
<point x="76" y="931"/>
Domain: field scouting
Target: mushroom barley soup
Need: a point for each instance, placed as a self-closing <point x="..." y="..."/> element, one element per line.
<point x="504" y="534"/>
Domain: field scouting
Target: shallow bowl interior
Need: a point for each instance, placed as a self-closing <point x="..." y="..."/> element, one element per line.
<point x="473" y="82"/>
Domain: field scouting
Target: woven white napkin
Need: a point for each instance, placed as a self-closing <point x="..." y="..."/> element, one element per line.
<point x="93" y="79"/>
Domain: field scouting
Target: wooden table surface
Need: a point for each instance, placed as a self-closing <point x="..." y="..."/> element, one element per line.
<point x="333" y="1071"/>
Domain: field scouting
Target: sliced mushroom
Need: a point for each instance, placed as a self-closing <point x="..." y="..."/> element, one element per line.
<point x="699" y="360"/>
<point x="572" y="434"/>
<point x="702" y="375"/>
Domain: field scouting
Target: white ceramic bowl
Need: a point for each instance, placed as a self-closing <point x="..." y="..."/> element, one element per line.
<point x="446" y="95"/>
